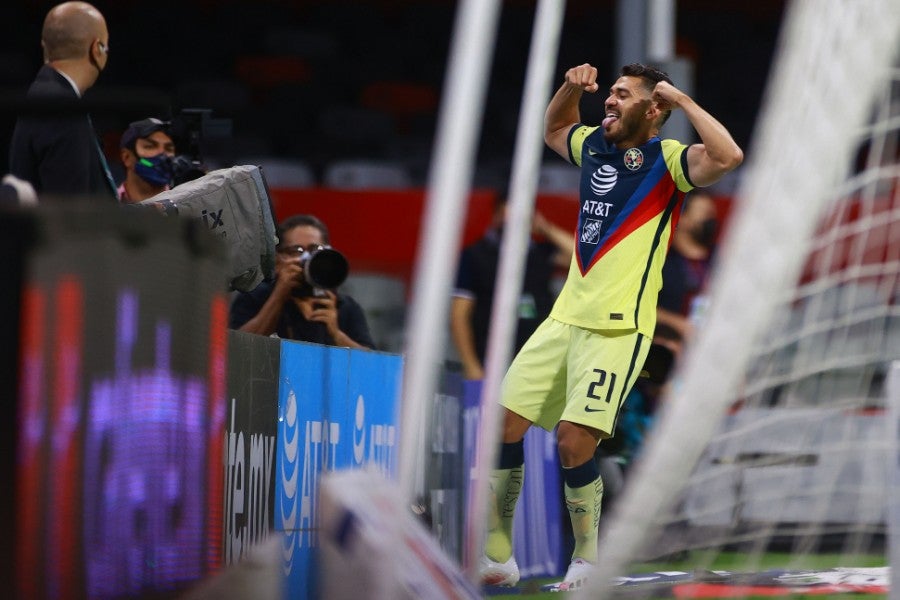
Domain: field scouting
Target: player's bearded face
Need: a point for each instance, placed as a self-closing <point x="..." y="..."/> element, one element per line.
<point x="629" y="124"/>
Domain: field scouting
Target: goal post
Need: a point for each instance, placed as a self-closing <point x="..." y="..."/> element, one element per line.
<point x="774" y="428"/>
<point x="893" y="478"/>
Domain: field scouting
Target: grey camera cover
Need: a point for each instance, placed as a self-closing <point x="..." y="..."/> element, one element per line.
<point x="233" y="204"/>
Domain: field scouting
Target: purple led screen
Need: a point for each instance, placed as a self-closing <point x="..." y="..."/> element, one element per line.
<point x="119" y="484"/>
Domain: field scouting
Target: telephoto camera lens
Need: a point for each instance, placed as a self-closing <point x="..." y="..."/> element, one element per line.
<point x="326" y="268"/>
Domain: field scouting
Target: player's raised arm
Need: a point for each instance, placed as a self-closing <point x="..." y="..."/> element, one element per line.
<point x="563" y="111"/>
<point x="718" y="153"/>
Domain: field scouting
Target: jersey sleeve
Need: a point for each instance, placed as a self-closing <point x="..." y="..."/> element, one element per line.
<point x="675" y="155"/>
<point x="577" y="135"/>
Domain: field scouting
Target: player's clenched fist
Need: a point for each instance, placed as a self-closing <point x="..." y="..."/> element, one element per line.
<point x="584" y="77"/>
<point x="667" y="96"/>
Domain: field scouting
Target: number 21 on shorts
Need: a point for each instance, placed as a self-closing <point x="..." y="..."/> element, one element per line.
<point x="604" y="379"/>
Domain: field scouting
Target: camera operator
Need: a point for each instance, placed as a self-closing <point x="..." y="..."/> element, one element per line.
<point x="293" y="308"/>
<point x="146" y="151"/>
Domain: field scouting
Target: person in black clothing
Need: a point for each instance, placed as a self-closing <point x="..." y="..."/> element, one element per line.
<point x="689" y="263"/>
<point x="473" y="296"/>
<point x="289" y="307"/>
<point x="60" y="155"/>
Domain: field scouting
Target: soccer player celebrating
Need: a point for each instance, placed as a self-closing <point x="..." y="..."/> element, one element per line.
<point x="578" y="366"/>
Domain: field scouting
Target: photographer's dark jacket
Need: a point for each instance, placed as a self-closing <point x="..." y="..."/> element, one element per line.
<point x="293" y="326"/>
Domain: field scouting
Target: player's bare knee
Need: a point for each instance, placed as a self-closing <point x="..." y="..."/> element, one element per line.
<point x="576" y="443"/>
<point x="574" y="452"/>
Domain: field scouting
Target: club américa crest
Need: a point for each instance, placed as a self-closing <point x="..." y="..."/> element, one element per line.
<point x="634" y="158"/>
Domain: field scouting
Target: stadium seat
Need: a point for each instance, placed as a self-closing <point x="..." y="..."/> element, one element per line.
<point x="414" y="152"/>
<point x="405" y="100"/>
<point x="383" y="298"/>
<point x="269" y="71"/>
<point x="353" y="129"/>
<point x="559" y="179"/>
<point x="243" y="143"/>
<point x="367" y="174"/>
<point x="283" y="173"/>
<point x="292" y="108"/>
<point x="223" y="95"/>
<point x="301" y="42"/>
<point x="492" y="173"/>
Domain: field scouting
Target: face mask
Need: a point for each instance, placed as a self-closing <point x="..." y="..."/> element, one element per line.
<point x="155" y="170"/>
<point x="705" y="234"/>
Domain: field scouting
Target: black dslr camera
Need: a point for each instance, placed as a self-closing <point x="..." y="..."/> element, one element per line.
<point x="191" y="129"/>
<point x="324" y="268"/>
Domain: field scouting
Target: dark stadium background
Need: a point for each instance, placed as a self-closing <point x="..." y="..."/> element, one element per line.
<point x="332" y="79"/>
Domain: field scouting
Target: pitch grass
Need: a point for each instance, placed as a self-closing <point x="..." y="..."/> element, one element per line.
<point x="730" y="561"/>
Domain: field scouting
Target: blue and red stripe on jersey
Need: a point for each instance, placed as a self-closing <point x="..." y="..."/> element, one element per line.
<point x="651" y="190"/>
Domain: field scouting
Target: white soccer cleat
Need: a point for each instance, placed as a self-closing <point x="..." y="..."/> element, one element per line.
<point x="576" y="575"/>
<point x="505" y="574"/>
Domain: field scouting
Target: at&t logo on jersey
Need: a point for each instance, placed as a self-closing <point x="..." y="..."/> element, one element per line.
<point x="590" y="233"/>
<point x="634" y="158"/>
<point x="603" y="180"/>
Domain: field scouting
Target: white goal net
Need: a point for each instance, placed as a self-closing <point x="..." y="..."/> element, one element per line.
<point x="772" y="451"/>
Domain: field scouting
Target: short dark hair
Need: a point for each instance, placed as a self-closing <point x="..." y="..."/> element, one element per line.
<point x="301" y="221"/>
<point x="143" y="129"/>
<point x="650" y="76"/>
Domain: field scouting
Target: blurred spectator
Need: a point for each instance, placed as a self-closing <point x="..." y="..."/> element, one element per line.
<point x="293" y="309"/>
<point x="643" y="400"/>
<point x="638" y="412"/>
<point x="61" y="155"/>
<point x="147" y="150"/>
<point x="470" y="309"/>
<point x="688" y="264"/>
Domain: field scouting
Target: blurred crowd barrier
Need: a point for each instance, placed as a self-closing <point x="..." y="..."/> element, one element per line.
<point x="295" y="411"/>
<point x="152" y="448"/>
<point x="117" y="350"/>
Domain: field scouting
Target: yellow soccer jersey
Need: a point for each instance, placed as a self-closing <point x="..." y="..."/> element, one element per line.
<point x="630" y="202"/>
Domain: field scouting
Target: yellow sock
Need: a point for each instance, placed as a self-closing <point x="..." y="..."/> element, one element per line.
<point x="583" y="504"/>
<point x="506" y="484"/>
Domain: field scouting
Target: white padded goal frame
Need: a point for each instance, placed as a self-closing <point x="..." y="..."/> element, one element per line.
<point x="893" y="397"/>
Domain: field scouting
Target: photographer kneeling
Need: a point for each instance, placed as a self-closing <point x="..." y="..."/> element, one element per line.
<point x="293" y="307"/>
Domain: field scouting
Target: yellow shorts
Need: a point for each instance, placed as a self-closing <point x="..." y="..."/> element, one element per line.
<point x="566" y="373"/>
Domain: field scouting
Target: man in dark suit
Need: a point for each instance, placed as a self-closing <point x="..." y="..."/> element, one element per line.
<point x="60" y="154"/>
